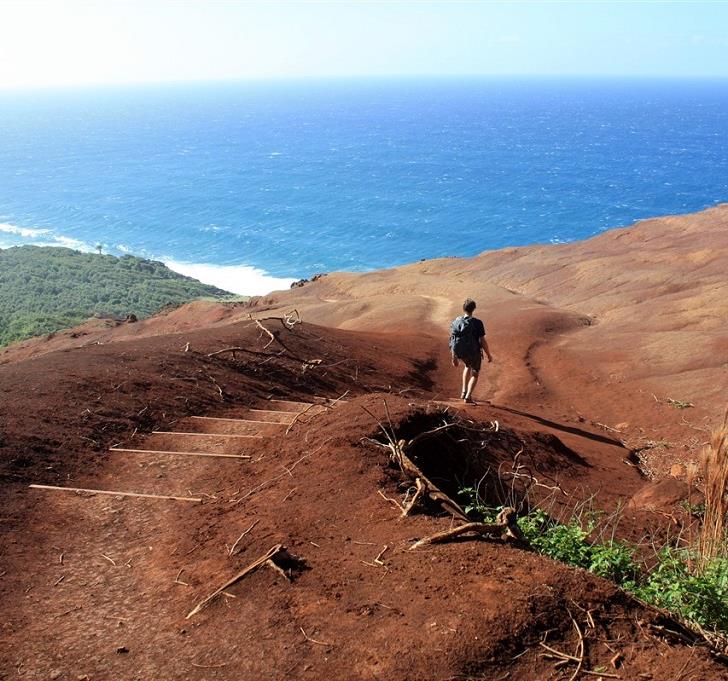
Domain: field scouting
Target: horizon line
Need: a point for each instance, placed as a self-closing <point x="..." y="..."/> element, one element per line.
<point x="276" y="79"/>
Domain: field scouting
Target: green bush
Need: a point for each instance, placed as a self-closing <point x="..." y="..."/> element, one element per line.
<point x="700" y="597"/>
<point x="696" y="596"/>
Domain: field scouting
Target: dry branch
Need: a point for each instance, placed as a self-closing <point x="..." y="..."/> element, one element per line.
<point x="237" y="541"/>
<point x="420" y="488"/>
<point x="250" y="568"/>
<point x="298" y="415"/>
<point x="313" y="640"/>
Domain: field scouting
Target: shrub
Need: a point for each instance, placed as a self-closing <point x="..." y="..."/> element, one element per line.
<point x="698" y="596"/>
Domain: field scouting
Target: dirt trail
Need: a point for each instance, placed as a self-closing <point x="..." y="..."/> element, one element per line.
<point x="98" y="587"/>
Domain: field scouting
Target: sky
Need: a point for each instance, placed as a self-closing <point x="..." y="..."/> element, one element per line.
<point x="60" y="43"/>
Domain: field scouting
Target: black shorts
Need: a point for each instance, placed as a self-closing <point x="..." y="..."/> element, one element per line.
<point x="472" y="361"/>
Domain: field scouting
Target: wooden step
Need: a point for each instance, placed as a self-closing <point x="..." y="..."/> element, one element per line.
<point x="174" y="453"/>
<point x="114" y="493"/>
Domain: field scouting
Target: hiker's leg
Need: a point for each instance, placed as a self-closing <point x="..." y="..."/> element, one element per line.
<point x="471" y="383"/>
<point x="466" y="377"/>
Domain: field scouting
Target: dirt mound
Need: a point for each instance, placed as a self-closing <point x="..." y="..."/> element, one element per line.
<point x="666" y="496"/>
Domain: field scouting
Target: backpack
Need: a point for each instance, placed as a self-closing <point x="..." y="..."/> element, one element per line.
<point x="463" y="341"/>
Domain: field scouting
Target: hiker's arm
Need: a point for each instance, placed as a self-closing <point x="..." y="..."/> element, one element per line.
<point x="486" y="350"/>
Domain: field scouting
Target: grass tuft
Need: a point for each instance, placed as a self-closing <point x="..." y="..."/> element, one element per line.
<point x="713" y="539"/>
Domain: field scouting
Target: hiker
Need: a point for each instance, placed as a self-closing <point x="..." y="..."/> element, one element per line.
<point x="467" y="343"/>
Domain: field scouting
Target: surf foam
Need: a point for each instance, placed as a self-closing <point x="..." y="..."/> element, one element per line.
<point x="241" y="279"/>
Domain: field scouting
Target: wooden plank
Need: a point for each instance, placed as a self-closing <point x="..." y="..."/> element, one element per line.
<point x="169" y="432"/>
<point x="291" y="402"/>
<point x="164" y="451"/>
<point x="114" y="494"/>
<point x="219" y="418"/>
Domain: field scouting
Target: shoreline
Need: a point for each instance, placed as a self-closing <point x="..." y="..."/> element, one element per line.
<point x="251" y="280"/>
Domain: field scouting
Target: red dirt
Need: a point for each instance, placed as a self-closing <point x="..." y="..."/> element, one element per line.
<point x="98" y="587"/>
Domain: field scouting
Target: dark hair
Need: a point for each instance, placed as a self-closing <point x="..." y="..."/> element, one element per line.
<point x="469" y="306"/>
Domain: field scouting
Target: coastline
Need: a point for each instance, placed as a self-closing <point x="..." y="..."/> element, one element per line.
<point x="250" y="280"/>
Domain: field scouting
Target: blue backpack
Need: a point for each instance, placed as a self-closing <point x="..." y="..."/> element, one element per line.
<point x="463" y="341"/>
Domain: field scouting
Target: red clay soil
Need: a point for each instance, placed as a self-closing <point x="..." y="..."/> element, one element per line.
<point x="606" y="330"/>
<point x="98" y="587"/>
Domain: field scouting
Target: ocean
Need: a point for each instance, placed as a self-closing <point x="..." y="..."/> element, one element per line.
<point x="251" y="185"/>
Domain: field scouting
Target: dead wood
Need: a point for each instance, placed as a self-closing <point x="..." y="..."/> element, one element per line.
<point x="431" y="490"/>
<point x="298" y="415"/>
<point x="394" y="502"/>
<point x="250" y="568"/>
<point x="313" y="640"/>
<point x="505" y="525"/>
<point x="216" y="384"/>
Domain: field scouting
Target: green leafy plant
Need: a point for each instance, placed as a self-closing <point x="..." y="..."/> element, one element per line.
<point x="696" y="595"/>
<point x="700" y="597"/>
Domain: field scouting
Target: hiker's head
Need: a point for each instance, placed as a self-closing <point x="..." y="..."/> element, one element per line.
<point x="469" y="306"/>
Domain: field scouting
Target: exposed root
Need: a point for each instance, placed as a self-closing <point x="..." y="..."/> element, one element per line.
<point x="398" y="451"/>
<point x="268" y="331"/>
<point x="237" y="541"/>
<point x="505" y="525"/>
<point x="420" y="489"/>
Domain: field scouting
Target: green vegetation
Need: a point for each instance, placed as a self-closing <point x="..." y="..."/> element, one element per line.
<point x="44" y="289"/>
<point x="682" y="581"/>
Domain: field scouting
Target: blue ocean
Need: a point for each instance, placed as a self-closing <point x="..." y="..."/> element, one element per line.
<point x="250" y="185"/>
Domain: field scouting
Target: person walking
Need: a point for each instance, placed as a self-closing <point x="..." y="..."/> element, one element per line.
<point x="468" y="345"/>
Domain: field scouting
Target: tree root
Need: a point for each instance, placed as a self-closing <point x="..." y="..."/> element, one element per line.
<point x="398" y="452"/>
<point x="505" y="525"/>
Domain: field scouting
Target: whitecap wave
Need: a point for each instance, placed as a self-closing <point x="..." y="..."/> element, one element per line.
<point x="38" y="236"/>
<point x="241" y="279"/>
<point x="68" y="242"/>
<point x="25" y="232"/>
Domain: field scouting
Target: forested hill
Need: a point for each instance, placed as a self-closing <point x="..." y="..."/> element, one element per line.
<point x="44" y="289"/>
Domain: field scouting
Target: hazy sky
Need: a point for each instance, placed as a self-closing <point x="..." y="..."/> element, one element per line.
<point x="68" y="42"/>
